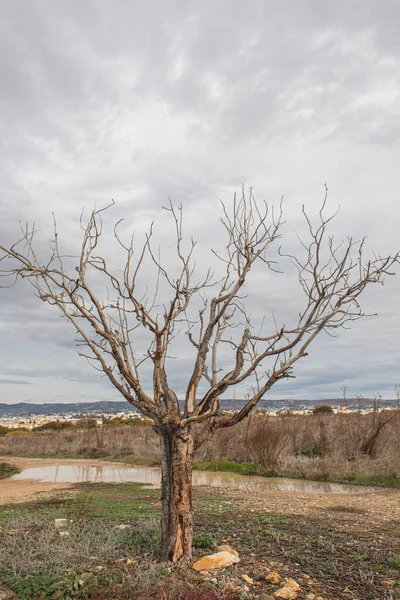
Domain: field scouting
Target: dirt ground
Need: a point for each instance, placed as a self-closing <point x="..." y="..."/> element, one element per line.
<point x="12" y="490"/>
<point x="336" y="545"/>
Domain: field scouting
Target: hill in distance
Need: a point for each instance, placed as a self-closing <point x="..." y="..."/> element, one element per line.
<point x="25" y="409"/>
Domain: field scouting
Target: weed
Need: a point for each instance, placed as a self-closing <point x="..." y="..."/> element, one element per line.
<point x="7" y="470"/>
<point x="28" y="587"/>
<point x="244" y="468"/>
<point x="271" y="518"/>
<point x="394" y="562"/>
<point x="203" y="540"/>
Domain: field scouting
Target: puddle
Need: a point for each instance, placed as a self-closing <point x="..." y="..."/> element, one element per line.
<point x="150" y="477"/>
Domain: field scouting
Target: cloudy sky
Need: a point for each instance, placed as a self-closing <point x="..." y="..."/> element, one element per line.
<point x="141" y="101"/>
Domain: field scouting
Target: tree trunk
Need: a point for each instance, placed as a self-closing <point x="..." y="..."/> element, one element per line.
<point x="176" y="498"/>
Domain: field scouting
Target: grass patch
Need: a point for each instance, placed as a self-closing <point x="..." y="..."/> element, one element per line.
<point x="204" y="540"/>
<point x="96" y="558"/>
<point x="394" y="562"/>
<point x="376" y="480"/>
<point x="244" y="468"/>
<point x="123" y="502"/>
<point x="7" y="470"/>
<point x="271" y="518"/>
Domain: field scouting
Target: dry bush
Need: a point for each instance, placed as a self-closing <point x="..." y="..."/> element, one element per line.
<point x="123" y="440"/>
<point x="317" y="446"/>
<point x="266" y="440"/>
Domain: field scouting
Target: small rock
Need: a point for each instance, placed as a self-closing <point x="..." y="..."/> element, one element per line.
<point x="126" y="560"/>
<point x="287" y="593"/>
<point x="122" y="527"/>
<point x="226" y="548"/>
<point x="62" y="523"/>
<point x="7" y="595"/>
<point x="273" y="578"/>
<point x="248" y="579"/>
<point x="64" y="533"/>
<point x="310" y="597"/>
<point x="219" y="560"/>
<point x="214" y="580"/>
<point x="266" y="597"/>
<point x="291" y="583"/>
<point x="99" y="568"/>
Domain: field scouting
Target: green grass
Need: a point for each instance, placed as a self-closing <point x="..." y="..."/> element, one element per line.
<point x="7" y="470"/>
<point x="394" y="562"/>
<point x="118" y="502"/>
<point x="375" y="480"/>
<point x="245" y="468"/>
<point x="36" y="563"/>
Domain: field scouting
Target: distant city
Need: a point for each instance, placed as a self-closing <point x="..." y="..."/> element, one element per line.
<point x="33" y="415"/>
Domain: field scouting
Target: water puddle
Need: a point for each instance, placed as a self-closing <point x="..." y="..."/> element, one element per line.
<point x="150" y="477"/>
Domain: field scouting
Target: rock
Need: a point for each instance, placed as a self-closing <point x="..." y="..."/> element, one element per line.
<point x="389" y="583"/>
<point x="226" y="548"/>
<point x="273" y="578"/>
<point x="219" y="560"/>
<point x="64" y="533"/>
<point x="292" y="584"/>
<point x="62" y="523"/>
<point x="310" y="597"/>
<point x="7" y="595"/>
<point x="266" y="597"/>
<point x="122" y="527"/>
<point x="248" y="579"/>
<point x="287" y="593"/>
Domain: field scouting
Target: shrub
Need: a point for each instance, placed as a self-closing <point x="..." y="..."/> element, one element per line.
<point x="7" y="470"/>
<point x="322" y="409"/>
<point x="55" y="426"/>
<point x="18" y="431"/>
<point x="86" y="423"/>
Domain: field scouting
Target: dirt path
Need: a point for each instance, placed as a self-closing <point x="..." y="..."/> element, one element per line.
<point x="12" y="491"/>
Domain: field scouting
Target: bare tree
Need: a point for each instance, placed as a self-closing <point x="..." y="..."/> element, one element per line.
<point x="332" y="277"/>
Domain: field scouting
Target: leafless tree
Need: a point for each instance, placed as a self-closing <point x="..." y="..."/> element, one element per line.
<point x="378" y="421"/>
<point x="331" y="276"/>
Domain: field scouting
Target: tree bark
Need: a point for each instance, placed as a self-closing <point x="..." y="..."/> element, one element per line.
<point x="176" y="483"/>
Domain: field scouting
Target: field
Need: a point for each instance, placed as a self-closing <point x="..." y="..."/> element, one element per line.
<point x="353" y="447"/>
<point x="333" y="546"/>
<point x="337" y="546"/>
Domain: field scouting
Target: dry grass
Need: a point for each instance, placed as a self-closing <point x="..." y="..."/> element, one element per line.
<point x="320" y="446"/>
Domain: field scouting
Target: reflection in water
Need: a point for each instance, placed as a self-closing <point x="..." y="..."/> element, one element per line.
<point x="96" y="473"/>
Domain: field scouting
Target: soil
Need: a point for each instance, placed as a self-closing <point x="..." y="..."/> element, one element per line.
<point x="14" y="491"/>
<point x="334" y="545"/>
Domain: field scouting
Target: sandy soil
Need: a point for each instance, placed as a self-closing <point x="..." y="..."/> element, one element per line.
<point x="23" y="491"/>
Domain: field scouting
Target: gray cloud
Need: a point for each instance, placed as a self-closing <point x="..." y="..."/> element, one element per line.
<point x="142" y="101"/>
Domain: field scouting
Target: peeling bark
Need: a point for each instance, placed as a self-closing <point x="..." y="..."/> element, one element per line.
<point x="176" y="498"/>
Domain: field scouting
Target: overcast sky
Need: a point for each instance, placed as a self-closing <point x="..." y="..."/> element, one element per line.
<point x="141" y="101"/>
